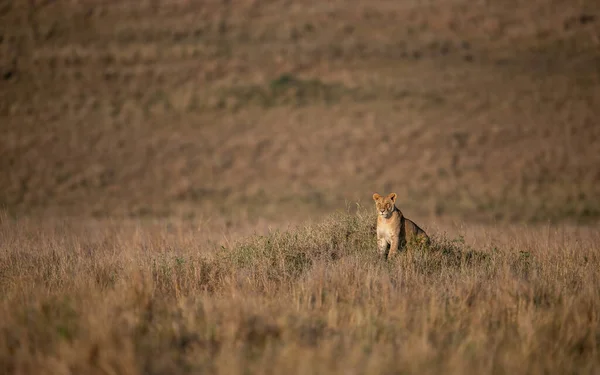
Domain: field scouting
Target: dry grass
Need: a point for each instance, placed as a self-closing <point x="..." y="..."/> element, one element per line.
<point x="99" y="297"/>
<point x="173" y="108"/>
<point x="174" y="130"/>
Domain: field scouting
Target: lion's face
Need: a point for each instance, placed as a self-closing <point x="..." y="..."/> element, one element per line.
<point x="384" y="205"/>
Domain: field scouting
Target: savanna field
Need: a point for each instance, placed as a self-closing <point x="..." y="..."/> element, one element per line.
<point x="185" y="186"/>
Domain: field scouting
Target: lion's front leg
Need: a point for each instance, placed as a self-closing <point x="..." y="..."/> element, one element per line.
<point x="382" y="246"/>
<point x="394" y="246"/>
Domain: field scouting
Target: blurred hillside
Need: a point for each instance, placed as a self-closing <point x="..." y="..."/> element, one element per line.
<point x="479" y="109"/>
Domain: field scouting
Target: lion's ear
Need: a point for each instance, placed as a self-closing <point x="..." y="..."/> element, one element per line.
<point x="392" y="197"/>
<point x="376" y="197"/>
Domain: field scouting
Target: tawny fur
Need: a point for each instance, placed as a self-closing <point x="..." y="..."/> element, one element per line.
<point x="394" y="230"/>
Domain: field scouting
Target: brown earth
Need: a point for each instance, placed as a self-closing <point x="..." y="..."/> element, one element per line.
<point x="482" y="110"/>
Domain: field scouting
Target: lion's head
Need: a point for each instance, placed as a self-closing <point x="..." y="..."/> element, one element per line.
<point x="385" y="205"/>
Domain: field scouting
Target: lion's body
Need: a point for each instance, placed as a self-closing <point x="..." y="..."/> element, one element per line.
<point x="394" y="230"/>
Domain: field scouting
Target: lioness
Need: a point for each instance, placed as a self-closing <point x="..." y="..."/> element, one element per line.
<point x="393" y="229"/>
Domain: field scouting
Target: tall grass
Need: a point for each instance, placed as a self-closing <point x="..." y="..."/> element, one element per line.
<point x="107" y="298"/>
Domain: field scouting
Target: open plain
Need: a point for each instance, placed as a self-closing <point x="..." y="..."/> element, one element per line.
<point x="185" y="186"/>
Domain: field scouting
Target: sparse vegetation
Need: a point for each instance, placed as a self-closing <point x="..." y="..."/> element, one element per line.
<point x="163" y="108"/>
<point x="98" y="297"/>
